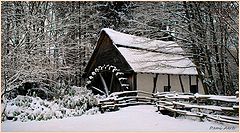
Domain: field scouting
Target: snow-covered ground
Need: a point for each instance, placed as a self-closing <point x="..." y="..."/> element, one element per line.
<point x="134" y="118"/>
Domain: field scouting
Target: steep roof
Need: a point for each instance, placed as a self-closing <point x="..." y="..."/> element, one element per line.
<point x="151" y="56"/>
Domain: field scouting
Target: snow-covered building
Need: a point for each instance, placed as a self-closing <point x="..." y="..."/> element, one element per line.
<point x="126" y="62"/>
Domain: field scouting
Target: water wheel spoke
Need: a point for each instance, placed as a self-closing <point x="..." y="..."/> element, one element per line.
<point x="99" y="90"/>
<point x="104" y="83"/>
<point x="110" y="87"/>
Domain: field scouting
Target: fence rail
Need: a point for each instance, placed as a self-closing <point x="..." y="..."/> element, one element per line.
<point x="125" y="98"/>
<point x="218" y="108"/>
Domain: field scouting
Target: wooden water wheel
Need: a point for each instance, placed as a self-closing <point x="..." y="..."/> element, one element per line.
<point x="107" y="79"/>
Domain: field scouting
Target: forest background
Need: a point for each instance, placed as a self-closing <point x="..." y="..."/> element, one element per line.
<point x="48" y="44"/>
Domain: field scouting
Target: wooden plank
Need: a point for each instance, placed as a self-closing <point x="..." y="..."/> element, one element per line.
<point x="169" y="82"/>
<point x="197" y="81"/>
<point x="179" y="97"/>
<point x="144" y="92"/>
<point x="227" y="117"/>
<point x="175" y="111"/>
<point x="221" y="119"/>
<point x="184" y="112"/>
<point x="107" y="103"/>
<point x="133" y="103"/>
<point x="180" y="79"/>
<point x="121" y="93"/>
<point x="124" y="104"/>
<point x="108" y="106"/>
<point x="236" y="107"/>
<point x="208" y="107"/>
<point x="134" y="81"/>
<point x="190" y="81"/>
<point x="155" y="83"/>
<point x="164" y="102"/>
<point x="202" y="115"/>
<point x="230" y="100"/>
<point x="142" y="97"/>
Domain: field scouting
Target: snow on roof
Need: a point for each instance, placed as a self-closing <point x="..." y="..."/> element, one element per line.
<point x="152" y="56"/>
<point x="142" y="42"/>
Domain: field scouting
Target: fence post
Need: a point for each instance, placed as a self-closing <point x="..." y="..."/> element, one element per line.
<point x="175" y="113"/>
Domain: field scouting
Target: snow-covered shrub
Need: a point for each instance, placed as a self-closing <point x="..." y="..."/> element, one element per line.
<point x="30" y="88"/>
<point x="76" y="103"/>
<point x="92" y="111"/>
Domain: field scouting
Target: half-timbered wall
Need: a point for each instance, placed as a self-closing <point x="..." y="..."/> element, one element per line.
<point x="145" y="83"/>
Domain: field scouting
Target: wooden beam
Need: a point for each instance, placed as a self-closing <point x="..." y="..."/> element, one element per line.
<point x="132" y="81"/>
<point x="155" y="83"/>
<point x="197" y="81"/>
<point x="180" y="79"/>
<point x="169" y="82"/>
<point x="135" y="81"/>
<point x="190" y="82"/>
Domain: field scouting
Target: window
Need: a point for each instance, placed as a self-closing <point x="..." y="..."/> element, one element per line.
<point x="167" y="88"/>
<point x="194" y="89"/>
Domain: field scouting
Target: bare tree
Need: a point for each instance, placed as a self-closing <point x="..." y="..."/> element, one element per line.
<point x="51" y="42"/>
<point x="205" y="28"/>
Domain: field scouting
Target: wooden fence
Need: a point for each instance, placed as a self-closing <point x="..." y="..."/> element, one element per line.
<point x="126" y="98"/>
<point x="219" y="108"/>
